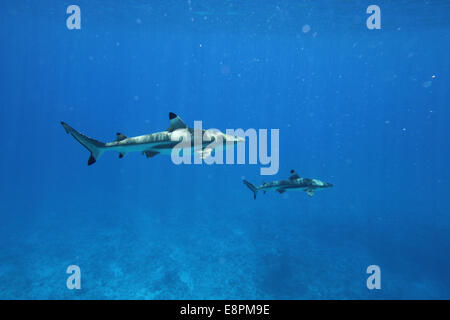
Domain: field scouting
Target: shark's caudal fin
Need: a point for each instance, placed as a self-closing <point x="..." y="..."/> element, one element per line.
<point x="95" y="147"/>
<point x="251" y="187"/>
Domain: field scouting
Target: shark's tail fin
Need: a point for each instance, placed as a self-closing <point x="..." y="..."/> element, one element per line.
<point x="251" y="187"/>
<point x="95" y="147"/>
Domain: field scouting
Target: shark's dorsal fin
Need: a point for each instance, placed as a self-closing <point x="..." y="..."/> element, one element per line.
<point x="310" y="192"/>
<point x="120" y="137"/>
<point x="175" y="122"/>
<point x="294" y="175"/>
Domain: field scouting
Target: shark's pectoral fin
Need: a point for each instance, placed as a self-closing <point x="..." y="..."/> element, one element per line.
<point x="150" y="154"/>
<point x="120" y="137"/>
<point x="281" y="190"/>
<point x="310" y="192"/>
<point x="204" y="153"/>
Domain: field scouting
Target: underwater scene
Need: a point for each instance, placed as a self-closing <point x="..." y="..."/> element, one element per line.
<point x="124" y="174"/>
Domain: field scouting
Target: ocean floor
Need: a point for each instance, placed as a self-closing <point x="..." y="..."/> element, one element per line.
<point x="206" y="258"/>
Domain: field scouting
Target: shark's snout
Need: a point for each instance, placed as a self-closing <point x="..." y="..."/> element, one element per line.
<point x="235" y="139"/>
<point x="321" y="184"/>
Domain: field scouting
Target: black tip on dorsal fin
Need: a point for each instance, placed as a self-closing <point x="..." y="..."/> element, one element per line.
<point x="294" y="175"/>
<point x="120" y="136"/>
<point x="172" y="115"/>
<point x="175" y="122"/>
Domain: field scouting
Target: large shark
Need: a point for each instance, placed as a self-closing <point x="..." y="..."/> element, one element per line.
<point x="163" y="142"/>
<point x="295" y="182"/>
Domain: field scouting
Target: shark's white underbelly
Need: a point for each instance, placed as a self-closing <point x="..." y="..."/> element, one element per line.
<point x="285" y="188"/>
<point x="145" y="147"/>
<point x="131" y="148"/>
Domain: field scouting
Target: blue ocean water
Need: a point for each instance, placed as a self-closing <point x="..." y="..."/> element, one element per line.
<point x="366" y="110"/>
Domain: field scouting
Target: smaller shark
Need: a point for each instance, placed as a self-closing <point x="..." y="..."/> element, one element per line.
<point x="295" y="182"/>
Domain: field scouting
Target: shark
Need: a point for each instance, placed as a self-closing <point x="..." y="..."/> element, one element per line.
<point x="163" y="142"/>
<point x="295" y="182"/>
